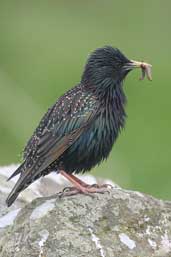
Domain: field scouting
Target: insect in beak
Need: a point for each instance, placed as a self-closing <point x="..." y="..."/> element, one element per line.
<point x="145" y="68"/>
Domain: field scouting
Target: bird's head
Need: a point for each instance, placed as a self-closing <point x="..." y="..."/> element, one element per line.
<point x="109" y="65"/>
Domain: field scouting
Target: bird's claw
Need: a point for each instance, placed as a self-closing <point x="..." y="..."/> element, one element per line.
<point x="100" y="186"/>
<point x="68" y="189"/>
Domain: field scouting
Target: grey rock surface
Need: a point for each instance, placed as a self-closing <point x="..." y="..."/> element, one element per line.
<point x="121" y="223"/>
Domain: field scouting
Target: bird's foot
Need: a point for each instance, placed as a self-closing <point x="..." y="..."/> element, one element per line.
<point x="81" y="187"/>
<point x="87" y="190"/>
<point x="68" y="191"/>
<point x="109" y="186"/>
<point x="96" y="188"/>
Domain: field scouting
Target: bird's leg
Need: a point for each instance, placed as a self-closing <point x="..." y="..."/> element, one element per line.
<point x="87" y="185"/>
<point x="81" y="187"/>
<point x="73" y="177"/>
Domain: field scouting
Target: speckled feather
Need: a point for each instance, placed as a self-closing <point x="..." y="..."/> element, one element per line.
<point x="79" y="130"/>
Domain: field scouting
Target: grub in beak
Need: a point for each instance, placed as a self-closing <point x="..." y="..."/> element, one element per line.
<point x="146" y="71"/>
<point x="145" y="68"/>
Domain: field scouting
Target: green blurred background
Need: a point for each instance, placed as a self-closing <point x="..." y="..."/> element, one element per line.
<point x="43" y="48"/>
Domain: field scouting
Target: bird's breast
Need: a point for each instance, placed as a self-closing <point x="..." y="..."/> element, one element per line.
<point x="95" y="143"/>
<point x="105" y="131"/>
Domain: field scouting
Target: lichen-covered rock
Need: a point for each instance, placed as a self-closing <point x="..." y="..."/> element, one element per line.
<point x="116" y="224"/>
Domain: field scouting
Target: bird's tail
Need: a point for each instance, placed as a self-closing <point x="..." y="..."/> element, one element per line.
<point x="17" y="171"/>
<point x="23" y="182"/>
<point x="11" y="198"/>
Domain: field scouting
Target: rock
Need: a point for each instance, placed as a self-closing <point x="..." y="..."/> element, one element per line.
<point x="45" y="186"/>
<point x="121" y="223"/>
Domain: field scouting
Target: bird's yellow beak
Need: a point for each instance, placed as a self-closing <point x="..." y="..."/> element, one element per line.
<point x="145" y="67"/>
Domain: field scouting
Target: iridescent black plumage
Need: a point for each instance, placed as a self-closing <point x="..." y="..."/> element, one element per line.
<point x="79" y="130"/>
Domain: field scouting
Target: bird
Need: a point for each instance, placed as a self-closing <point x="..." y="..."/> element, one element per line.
<point x="80" y="129"/>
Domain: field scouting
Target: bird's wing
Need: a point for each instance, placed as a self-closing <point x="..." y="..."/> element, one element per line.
<point x="52" y="146"/>
<point x="49" y="147"/>
<point x="60" y="127"/>
<point x="58" y="130"/>
<point x="67" y="114"/>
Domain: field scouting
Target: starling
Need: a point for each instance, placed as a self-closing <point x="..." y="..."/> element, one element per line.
<point x="79" y="130"/>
